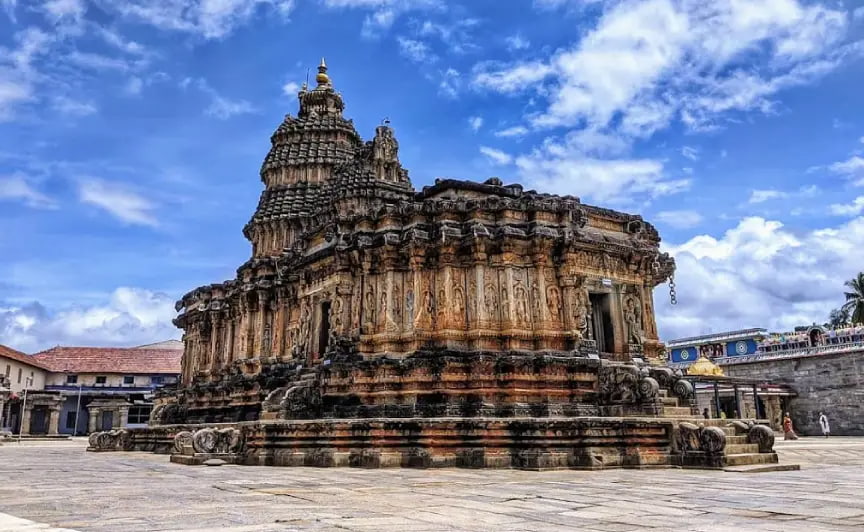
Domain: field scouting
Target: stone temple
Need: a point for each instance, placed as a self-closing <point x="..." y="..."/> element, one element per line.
<point x="467" y="324"/>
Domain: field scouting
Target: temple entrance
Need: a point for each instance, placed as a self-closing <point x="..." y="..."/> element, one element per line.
<point x="107" y="420"/>
<point x="601" y="318"/>
<point x="323" y="330"/>
<point x="39" y="420"/>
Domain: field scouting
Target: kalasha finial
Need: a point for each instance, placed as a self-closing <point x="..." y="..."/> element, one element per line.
<point x="322" y="78"/>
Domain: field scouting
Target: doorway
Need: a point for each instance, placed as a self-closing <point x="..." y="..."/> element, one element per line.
<point x="324" y="330"/>
<point x="39" y="420"/>
<point x="107" y="420"/>
<point x="601" y="314"/>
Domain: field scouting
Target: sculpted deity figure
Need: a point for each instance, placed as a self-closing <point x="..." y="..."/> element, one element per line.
<point x="266" y="340"/>
<point x="580" y="312"/>
<point x="336" y="315"/>
<point x="520" y="297"/>
<point x="305" y="324"/>
<point x="442" y="307"/>
<point x="458" y="301"/>
<point x="535" y="303"/>
<point x="491" y="301"/>
<point x="382" y="308"/>
<point x="553" y="299"/>
<point x="397" y="307"/>
<point x="505" y="304"/>
<point x="370" y="307"/>
<point x="409" y="304"/>
<point x="633" y="319"/>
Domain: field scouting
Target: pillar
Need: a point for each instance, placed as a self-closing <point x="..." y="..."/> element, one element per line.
<point x="54" y="421"/>
<point x="124" y="416"/>
<point x="25" y="419"/>
<point x="92" y="419"/>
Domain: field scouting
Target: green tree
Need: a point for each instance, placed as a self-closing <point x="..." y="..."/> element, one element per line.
<point x="854" y="305"/>
<point x="839" y="317"/>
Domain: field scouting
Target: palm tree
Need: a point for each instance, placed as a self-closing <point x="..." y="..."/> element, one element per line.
<point x="855" y="299"/>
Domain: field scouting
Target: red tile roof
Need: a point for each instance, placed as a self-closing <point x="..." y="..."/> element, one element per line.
<point x="18" y="356"/>
<point x="110" y="360"/>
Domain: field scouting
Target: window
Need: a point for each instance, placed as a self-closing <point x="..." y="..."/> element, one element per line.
<point x="8" y="369"/>
<point x="128" y="379"/>
<point x="157" y="379"/>
<point x="71" y="379"/>
<point x="101" y="379"/>
<point x="19" y="375"/>
<point x="70" y="420"/>
<point x="139" y="414"/>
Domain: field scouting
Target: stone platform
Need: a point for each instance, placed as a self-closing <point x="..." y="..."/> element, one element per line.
<point x="518" y="443"/>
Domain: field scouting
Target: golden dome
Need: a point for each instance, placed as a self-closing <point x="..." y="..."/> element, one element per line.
<point x="322" y="78"/>
<point x="704" y="367"/>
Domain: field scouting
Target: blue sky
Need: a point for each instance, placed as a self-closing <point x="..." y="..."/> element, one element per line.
<point x="131" y="134"/>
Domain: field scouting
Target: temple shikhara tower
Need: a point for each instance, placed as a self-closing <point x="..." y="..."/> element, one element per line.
<point x="467" y="323"/>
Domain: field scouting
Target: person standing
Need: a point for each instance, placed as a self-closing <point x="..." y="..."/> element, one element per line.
<point x="705" y="414"/>
<point x="823" y="422"/>
<point x="788" y="429"/>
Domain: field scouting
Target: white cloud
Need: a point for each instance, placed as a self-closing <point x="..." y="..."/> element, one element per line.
<point x="9" y="7"/>
<point x="65" y="9"/>
<point x="648" y="62"/>
<point x="682" y="219"/>
<point x="220" y="107"/>
<point x="210" y="19"/>
<point x="134" y="86"/>
<point x="450" y="83"/>
<point x="415" y="50"/>
<point x="97" y="61"/>
<point x="690" y="152"/>
<point x="851" y="209"/>
<point x="476" y="122"/>
<point x="517" y="42"/>
<point x="119" y="201"/>
<point x="15" y="187"/>
<point x="71" y="107"/>
<point x="129" y="316"/>
<point x="852" y="168"/>
<point x="515" y="131"/>
<point x="496" y="156"/>
<point x="383" y="12"/>
<point x="456" y="35"/>
<point x="759" y="274"/>
<point x="291" y="89"/>
<point x="761" y="196"/>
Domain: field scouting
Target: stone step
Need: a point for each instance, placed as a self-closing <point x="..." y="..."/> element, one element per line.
<point x="740" y="448"/>
<point x="733" y="460"/>
<point x="736" y="440"/>
<point x="669" y="401"/>
<point x="763" y="468"/>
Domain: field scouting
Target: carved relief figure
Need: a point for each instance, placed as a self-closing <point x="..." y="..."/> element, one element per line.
<point x="633" y="319"/>
<point x="397" y="306"/>
<point x="535" y="303"/>
<point x="442" y="307"/>
<point x="580" y="312"/>
<point x="505" y="304"/>
<point x="459" y="304"/>
<point x="266" y="340"/>
<point x="520" y="297"/>
<point x="491" y="301"/>
<point x="336" y="315"/>
<point x="369" y="307"/>
<point x="382" y="308"/>
<point x="409" y="305"/>
<point x="553" y="300"/>
<point x="305" y="325"/>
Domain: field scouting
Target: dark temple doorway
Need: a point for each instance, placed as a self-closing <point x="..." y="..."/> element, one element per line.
<point x="324" y="330"/>
<point x="39" y="420"/>
<point x="601" y="315"/>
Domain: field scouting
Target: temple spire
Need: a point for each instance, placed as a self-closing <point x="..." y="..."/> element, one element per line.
<point x="322" y="78"/>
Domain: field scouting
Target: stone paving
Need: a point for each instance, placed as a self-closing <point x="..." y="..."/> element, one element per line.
<point x="56" y="485"/>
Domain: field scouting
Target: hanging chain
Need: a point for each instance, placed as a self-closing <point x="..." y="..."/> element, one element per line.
<point x="673" y="296"/>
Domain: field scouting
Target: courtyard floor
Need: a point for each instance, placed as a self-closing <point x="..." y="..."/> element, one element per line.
<point x="56" y="485"/>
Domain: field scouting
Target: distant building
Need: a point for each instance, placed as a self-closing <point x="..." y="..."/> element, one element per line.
<point x="805" y="371"/>
<point x="76" y="390"/>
